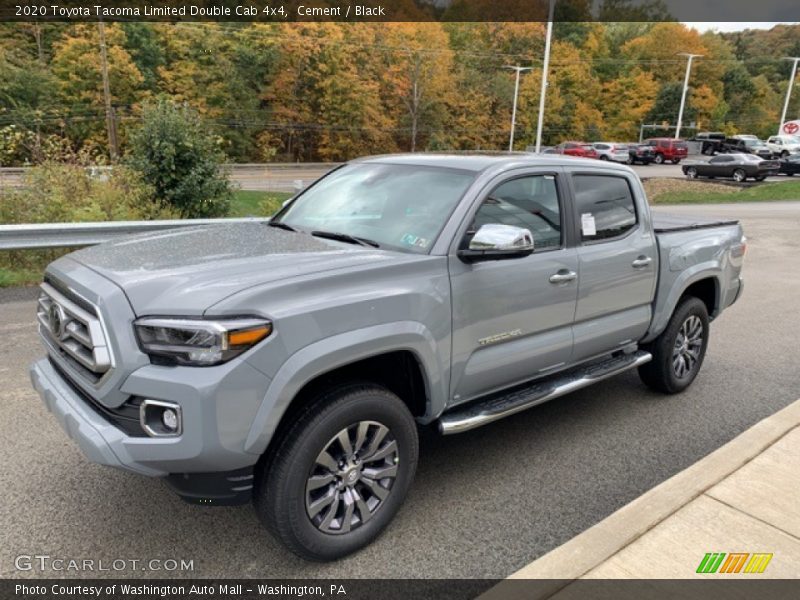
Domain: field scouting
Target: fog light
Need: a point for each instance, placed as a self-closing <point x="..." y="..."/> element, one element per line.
<point x="159" y="418"/>
<point x="170" y="419"/>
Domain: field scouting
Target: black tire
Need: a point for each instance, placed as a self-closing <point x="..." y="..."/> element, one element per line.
<point x="784" y="154"/>
<point x="676" y="161"/>
<point x="761" y="178"/>
<point x="659" y="159"/>
<point x="660" y="373"/>
<point x="691" y="173"/>
<point x="739" y="175"/>
<point x="281" y="495"/>
<point x="604" y="157"/>
<point x="630" y="161"/>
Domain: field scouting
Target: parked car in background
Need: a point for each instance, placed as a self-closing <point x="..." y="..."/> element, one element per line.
<point x="668" y="149"/>
<point x="736" y="166"/>
<point x="784" y="145"/>
<point x="711" y="141"/>
<point x="581" y="149"/>
<point x="748" y="145"/>
<point x="790" y="164"/>
<point x="640" y="154"/>
<point x="611" y="151"/>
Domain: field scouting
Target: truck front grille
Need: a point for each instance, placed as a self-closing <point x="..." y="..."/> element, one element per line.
<point x="72" y="329"/>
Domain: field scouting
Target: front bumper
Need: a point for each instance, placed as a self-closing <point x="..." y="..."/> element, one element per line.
<point x="218" y="406"/>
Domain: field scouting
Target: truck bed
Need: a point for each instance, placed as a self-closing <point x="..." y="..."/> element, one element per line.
<point x="666" y="223"/>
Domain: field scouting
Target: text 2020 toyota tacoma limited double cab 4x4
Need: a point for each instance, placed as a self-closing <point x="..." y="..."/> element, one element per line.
<point x="290" y="362"/>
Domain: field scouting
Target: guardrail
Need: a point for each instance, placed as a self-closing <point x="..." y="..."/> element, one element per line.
<point x="65" y="235"/>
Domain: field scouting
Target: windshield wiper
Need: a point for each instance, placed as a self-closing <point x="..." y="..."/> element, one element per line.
<point x="344" y="237"/>
<point x="281" y="225"/>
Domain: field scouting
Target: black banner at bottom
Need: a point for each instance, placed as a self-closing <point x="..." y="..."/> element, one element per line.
<point x="716" y="588"/>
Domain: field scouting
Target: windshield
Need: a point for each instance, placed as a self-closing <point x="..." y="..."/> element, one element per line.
<point x="400" y="207"/>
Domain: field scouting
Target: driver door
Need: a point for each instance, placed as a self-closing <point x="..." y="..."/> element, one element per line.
<point x="512" y="318"/>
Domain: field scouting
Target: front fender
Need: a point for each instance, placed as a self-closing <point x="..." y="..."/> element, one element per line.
<point x="340" y="350"/>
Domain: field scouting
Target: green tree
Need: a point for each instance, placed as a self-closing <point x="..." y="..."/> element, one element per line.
<point x="174" y="153"/>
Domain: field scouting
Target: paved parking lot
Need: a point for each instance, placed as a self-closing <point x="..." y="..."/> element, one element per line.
<point x="484" y="503"/>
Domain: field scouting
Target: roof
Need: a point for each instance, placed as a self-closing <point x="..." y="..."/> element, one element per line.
<point x="482" y="161"/>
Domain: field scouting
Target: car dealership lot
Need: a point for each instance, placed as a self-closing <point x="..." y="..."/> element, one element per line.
<point x="490" y="500"/>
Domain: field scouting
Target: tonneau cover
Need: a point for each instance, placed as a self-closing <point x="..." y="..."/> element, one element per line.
<point x="665" y="223"/>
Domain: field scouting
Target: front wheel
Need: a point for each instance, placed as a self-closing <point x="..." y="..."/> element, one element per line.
<point x="739" y="175"/>
<point x="691" y="173"/>
<point x="679" y="351"/>
<point x="340" y="473"/>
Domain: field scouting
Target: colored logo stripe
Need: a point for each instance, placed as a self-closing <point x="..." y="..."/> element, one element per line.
<point x="758" y="563"/>
<point x="711" y="562"/>
<point x="735" y="561"/>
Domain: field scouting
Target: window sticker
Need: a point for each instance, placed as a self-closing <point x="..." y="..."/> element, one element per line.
<point x="412" y="240"/>
<point x="587" y="224"/>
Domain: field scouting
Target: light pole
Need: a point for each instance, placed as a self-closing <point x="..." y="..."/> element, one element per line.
<point x="788" y="91"/>
<point x="685" y="89"/>
<point x="514" y="110"/>
<point x="545" y="69"/>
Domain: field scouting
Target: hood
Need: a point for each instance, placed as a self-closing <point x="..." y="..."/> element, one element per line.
<point x="185" y="271"/>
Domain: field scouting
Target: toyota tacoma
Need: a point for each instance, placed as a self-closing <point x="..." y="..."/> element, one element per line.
<point x="291" y="362"/>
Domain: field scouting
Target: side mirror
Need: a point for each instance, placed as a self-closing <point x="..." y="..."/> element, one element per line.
<point x="494" y="241"/>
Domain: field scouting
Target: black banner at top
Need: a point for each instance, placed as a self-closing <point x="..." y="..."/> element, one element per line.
<point x="278" y="11"/>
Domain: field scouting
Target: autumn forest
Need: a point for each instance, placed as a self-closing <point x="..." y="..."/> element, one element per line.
<point x="330" y="91"/>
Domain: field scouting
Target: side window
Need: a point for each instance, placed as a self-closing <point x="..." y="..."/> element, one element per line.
<point x="605" y="206"/>
<point x="528" y="202"/>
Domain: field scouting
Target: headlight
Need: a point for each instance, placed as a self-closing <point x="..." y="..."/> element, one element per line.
<point x="199" y="342"/>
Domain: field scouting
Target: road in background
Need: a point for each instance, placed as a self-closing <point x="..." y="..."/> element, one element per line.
<point x="484" y="502"/>
<point x="289" y="177"/>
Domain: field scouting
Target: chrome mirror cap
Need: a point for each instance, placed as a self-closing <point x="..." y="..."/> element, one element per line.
<point x="495" y="241"/>
<point x="494" y="236"/>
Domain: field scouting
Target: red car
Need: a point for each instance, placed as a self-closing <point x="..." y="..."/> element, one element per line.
<point x="668" y="149"/>
<point x="581" y="149"/>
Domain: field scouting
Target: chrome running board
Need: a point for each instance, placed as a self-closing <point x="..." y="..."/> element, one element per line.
<point x="503" y="404"/>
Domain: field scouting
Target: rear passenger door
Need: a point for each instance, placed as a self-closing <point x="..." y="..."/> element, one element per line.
<point x="616" y="261"/>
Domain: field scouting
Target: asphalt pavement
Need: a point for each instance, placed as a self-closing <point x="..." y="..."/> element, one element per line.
<point x="484" y="503"/>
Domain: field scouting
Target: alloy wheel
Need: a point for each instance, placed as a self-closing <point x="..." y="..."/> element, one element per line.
<point x="352" y="477"/>
<point x="688" y="345"/>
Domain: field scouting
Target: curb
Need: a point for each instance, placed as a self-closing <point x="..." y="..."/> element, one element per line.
<point x="587" y="550"/>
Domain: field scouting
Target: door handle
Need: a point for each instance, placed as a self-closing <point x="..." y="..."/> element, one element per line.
<point x="563" y="276"/>
<point x="641" y="262"/>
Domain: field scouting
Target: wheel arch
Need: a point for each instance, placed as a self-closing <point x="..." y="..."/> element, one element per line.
<point x="399" y="356"/>
<point x="697" y="282"/>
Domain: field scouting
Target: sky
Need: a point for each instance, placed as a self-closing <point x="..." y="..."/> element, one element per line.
<point x="731" y="26"/>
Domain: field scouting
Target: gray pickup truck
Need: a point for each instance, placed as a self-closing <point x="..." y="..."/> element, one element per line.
<point x="291" y="363"/>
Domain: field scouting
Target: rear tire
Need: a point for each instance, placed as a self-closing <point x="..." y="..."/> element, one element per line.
<point x="676" y="161"/>
<point x="679" y="351"/>
<point x="323" y="511"/>
<point x="739" y="175"/>
<point x="659" y="159"/>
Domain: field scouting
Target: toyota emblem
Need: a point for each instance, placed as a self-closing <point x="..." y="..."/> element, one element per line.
<point x="56" y="319"/>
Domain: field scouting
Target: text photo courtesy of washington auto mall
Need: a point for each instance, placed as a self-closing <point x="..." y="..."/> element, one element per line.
<point x="443" y="299"/>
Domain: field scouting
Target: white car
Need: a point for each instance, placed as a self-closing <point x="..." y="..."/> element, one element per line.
<point x="611" y="151"/>
<point x="784" y="145"/>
